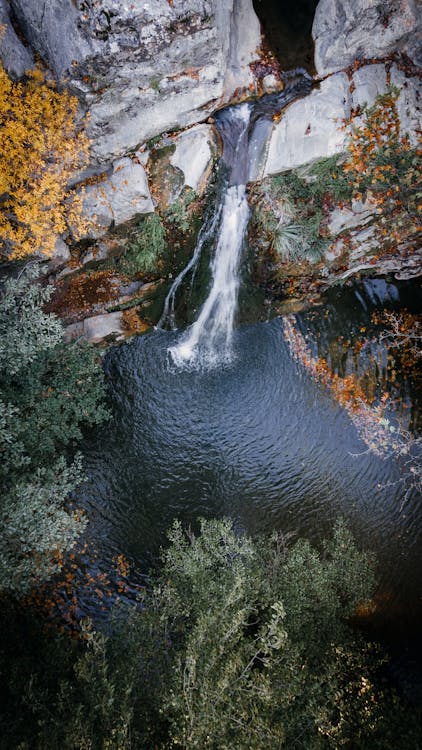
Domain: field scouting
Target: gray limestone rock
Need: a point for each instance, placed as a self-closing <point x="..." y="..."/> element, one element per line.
<point x="310" y="127"/>
<point x="115" y="200"/>
<point x="61" y="251"/>
<point x="348" y="30"/>
<point x="16" y="58"/>
<point x="193" y="155"/>
<point x="143" y="68"/>
<point x="369" y="82"/>
<point x="408" y="103"/>
<point x="97" y="328"/>
<point x="342" y="219"/>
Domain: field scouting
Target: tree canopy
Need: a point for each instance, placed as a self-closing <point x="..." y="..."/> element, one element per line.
<point x="237" y="643"/>
<point x="48" y="391"/>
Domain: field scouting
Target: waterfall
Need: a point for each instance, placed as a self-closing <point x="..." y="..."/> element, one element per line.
<point x="208" y="341"/>
<point x="207" y="231"/>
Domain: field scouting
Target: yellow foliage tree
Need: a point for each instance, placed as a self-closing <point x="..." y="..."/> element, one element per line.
<point x="41" y="146"/>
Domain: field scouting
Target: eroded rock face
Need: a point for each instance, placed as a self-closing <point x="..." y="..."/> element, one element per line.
<point x="310" y="127"/>
<point x="348" y="30"/>
<point x="143" y="67"/>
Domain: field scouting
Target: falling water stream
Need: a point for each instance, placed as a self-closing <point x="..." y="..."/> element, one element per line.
<point x="208" y="341"/>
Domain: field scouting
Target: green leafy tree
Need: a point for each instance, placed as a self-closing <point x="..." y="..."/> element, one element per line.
<point x="237" y="644"/>
<point x="48" y="391"/>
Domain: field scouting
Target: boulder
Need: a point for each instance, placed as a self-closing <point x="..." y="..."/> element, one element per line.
<point x="97" y="328"/>
<point x="16" y="58"/>
<point x="114" y="200"/>
<point x="193" y="155"/>
<point x="310" y="127"/>
<point x="144" y="68"/>
<point x="348" y="30"/>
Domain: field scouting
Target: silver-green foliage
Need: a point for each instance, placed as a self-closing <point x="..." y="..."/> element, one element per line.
<point x="237" y="644"/>
<point x="48" y="390"/>
<point x="290" y="211"/>
<point x="179" y="214"/>
<point x="260" y="636"/>
<point x="22" y="301"/>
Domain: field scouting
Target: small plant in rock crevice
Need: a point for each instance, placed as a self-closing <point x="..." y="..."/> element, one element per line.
<point x="145" y="250"/>
<point x="179" y="215"/>
<point x="290" y="211"/>
<point x="154" y="235"/>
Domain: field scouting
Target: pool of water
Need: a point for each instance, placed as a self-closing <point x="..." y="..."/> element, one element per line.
<point x="257" y="440"/>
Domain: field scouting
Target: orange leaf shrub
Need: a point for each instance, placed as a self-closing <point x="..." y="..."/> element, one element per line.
<point x="41" y="147"/>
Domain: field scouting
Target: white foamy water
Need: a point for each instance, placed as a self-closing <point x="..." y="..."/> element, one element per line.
<point x="208" y="340"/>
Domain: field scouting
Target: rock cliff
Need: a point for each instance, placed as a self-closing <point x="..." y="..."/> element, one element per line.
<point x="141" y="68"/>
